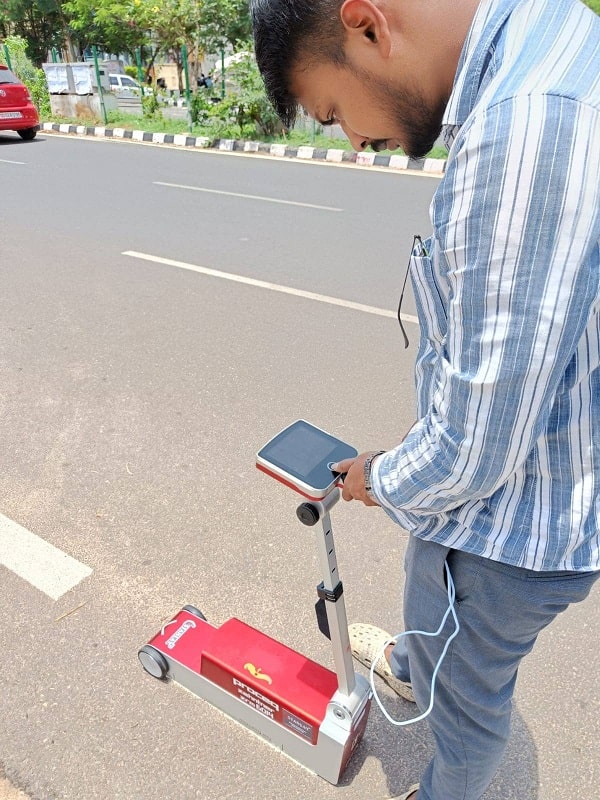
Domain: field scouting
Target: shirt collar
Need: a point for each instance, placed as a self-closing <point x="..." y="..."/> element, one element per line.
<point x="474" y="59"/>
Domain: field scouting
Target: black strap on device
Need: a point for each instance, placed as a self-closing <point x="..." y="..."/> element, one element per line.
<point x="330" y="596"/>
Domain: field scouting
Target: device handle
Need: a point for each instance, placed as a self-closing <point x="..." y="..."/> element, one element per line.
<point x="332" y="622"/>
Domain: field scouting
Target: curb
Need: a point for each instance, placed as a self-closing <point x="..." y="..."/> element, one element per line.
<point x="433" y="166"/>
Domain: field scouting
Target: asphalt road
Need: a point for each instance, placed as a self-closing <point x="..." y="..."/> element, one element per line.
<point x="134" y="394"/>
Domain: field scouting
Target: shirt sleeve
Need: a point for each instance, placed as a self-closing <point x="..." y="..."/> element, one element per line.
<point x="516" y="229"/>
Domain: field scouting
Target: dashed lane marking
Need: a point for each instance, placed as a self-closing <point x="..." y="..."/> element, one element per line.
<point x="273" y="287"/>
<point x="246" y="196"/>
<point x="38" y="562"/>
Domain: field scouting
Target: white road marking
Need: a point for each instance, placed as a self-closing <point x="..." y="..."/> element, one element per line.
<point x="246" y="196"/>
<point x="7" y="161"/>
<point x="38" y="562"/>
<point x="273" y="287"/>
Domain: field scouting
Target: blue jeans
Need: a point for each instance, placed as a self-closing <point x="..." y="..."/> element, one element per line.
<point x="501" y="609"/>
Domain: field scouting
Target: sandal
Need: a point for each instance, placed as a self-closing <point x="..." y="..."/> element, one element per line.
<point x="365" y="642"/>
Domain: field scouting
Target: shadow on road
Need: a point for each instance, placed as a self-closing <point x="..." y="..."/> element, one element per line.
<point x="8" y="137"/>
<point x="405" y="752"/>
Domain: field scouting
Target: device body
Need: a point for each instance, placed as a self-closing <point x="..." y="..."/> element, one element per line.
<point x="311" y="713"/>
<point x="286" y="698"/>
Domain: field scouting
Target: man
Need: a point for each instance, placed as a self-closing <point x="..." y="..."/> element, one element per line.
<point x="499" y="478"/>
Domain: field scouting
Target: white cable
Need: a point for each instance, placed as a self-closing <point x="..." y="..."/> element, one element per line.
<point x="449" y="610"/>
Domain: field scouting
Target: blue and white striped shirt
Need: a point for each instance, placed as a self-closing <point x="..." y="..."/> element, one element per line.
<point x="504" y="460"/>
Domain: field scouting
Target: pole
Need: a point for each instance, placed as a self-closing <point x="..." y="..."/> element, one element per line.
<point x="100" y="91"/>
<point x="54" y="56"/>
<point x="7" y="57"/>
<point x="331" y="591"/>
<point x="186" y="75"/>
<point x="222" y="74"/>
<point x="138" y="59"/>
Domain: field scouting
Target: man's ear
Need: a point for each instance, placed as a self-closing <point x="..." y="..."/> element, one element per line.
<point x="362" y="19"/>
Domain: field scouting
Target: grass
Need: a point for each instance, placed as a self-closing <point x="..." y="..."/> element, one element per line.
<point x="116" y="119"/>
<point x="159" y="124"/>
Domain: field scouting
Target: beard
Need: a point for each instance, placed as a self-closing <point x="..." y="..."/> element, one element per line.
<point x="417" y="121"/>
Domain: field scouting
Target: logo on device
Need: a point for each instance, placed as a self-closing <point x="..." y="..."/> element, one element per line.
<point x="257" y="672"/>
<point x="172" y="640"/>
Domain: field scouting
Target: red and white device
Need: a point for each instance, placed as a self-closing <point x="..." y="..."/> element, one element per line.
<point x="311" y="713"/>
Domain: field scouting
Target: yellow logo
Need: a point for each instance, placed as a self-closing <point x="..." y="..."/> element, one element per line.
<point x="257" y="672"/>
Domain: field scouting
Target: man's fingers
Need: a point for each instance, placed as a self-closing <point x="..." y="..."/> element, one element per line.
<point x="343" y="466"/>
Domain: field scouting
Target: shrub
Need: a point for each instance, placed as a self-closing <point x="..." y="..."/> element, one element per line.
<point x="151" y="106"/>
<point x="200" y="108"/>
<point x="245" y="110"/>
<point x="25" y="70"/>
<point x="251" y="104"/>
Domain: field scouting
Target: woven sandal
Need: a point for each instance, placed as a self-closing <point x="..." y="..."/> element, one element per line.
<point x="406" y="795"/>
<point x="365" y="642"/>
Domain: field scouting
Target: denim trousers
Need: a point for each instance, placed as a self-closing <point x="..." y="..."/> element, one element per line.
<point x="501" y="610"/>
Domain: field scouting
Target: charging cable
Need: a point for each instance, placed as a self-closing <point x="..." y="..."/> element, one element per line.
<point x="449" y="610"/>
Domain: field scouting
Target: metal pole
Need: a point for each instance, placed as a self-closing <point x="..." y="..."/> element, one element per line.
<point x="140" y="71"/>
<point x="336" y="611"/>
<point x="100" y="92"/>
<point x="331" y="590"/>
<point x="7" y="57"/>
<point x="186" y="75"/>
<point x="222" y="73"/>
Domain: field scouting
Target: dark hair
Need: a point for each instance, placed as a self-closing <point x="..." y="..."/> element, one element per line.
<point x="288" y="33"/>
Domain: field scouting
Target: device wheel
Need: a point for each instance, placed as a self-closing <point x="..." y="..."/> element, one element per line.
<point x="195" y="612"/>
<point x="153" y="661"/>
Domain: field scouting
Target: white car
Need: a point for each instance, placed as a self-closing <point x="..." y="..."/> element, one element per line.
<point x="124" y="84"/>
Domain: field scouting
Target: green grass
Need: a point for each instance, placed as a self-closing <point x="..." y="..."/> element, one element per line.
<point x="295" y="138"/>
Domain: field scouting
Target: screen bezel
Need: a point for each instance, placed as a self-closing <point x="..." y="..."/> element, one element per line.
<point x="319" y="480"/>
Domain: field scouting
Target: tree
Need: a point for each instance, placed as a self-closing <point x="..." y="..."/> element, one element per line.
<point x="39" y="22"/>
<point x="123" y="26"/>
<point x="224" y="22"/>
<point x="115" y="26"/>
<point x="32" y="76"/>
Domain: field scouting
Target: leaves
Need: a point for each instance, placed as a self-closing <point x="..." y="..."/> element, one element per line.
<point x="122" y="26"/>
<point x="39" y="22"/>
<point x="32" y="77"/>
<point x="115" y="26"/>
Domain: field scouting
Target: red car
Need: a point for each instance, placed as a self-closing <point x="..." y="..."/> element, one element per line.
<point x="17" y="112"/>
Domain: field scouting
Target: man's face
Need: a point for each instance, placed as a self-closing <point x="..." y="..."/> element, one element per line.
<point x="370" y="109"/>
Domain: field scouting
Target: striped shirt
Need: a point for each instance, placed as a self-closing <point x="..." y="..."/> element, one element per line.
<point x="504" y="460"/>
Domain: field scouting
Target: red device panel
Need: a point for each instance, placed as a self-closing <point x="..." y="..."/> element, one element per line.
<point x="272" y="678"/>
<point x="291" y="485"/>
<point x="184" y="638"/>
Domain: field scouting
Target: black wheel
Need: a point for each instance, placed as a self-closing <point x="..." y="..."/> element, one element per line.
<point x="195" y="612"/>
<point x="28" y="134"/>
<point x="153" y="662"/>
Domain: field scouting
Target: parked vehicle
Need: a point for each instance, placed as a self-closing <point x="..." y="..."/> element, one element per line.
<point x="17" y="112"/>
<point x="123" y="84"/>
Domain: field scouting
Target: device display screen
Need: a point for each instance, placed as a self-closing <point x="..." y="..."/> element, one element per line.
<point x="305" y="454"/>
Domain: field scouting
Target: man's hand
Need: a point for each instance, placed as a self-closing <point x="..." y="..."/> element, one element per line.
<point x="354" y="483"/>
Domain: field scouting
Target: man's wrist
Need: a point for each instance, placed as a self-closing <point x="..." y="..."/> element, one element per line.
<point x="367" y="467"/>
